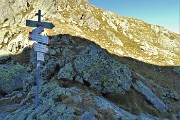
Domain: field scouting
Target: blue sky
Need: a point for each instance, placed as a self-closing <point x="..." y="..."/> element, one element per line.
<point x="159" y="12"/>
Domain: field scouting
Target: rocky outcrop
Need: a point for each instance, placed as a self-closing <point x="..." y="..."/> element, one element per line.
<point x="12" y="77"/>
<point x="87" y="116"/>
<point x="102" y="72"/>
<point x="176" y="70"/>
<point x="8" y="13"/>
<point x="150" y="96"/>
<point x="67" y="72"/>
<point x="53" y="105"/>
<point x="75" y="59"/>
<point x="81" y="19"/>
<point x="47" y="110"/>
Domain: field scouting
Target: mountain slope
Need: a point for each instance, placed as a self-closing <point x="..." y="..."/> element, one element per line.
<point x="119" y="35"/>
<point x="100" y="65"/>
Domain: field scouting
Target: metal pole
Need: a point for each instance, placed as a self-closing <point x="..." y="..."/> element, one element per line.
<point x="39" y="15"/>
<point x="38" y="69"/>
<point x="37" y="82"/>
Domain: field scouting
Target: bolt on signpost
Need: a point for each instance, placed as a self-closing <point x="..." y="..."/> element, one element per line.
<point x="40" y="46"/>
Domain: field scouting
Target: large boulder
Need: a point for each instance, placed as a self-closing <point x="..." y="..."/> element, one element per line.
<point x="101" y="71"/>
<point x="12" y="77"/>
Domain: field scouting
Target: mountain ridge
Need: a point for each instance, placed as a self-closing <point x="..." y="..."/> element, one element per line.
<point x="121" y="35"/>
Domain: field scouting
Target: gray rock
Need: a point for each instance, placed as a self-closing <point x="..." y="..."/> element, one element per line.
<point x="77" y="99"/>
<point x="101" y="71"/>
<point x="46" y="110"/>
<point x="79" y="79"/>
<point x="114" y="38"/>
<point x="52" y="90"/>
<point x="67" y="56"/>
<point x="6" y="108"/>
<point x="48" y="90"/>
<point x="67" y="72"/>
<point x="87" y="116"/>
<point x="19" y="95"/>
<point x="48" y="69"/>
<point x="93" y="111"/>
<point x="29" y="69"/>
<point x="93" y="23"/>
<point x="52" y="52"/>
<point x="176" y="95"/>
<point x="171" y="94"/>
<point x="147" y="117"/>
<point x="61" y="62"/>
<point x="33" y="57"/>
<point x="12" y="96"/>
<point x="176" y="116"/>
<point x="12" y="77"/>
<point x="176" y="70"/>
<point x="67" y="39"/>
<point x="62" y="112"/>
<point x="120" y="113"/>
<point x="150" y="96"/>
<point x="75" y="90"/>
<point x="16" y="44"/>
<point x="28" y="83"/>
<point x="3" y="115"/>
<point x="6" y="11"/>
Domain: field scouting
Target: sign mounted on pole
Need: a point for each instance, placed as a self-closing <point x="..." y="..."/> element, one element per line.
<point x="31" y="23"/>
<point x="40" y="56"/>
<point x="39" y="38"/>
<point x="38" y="30"/>
<point x="40" y="48"/>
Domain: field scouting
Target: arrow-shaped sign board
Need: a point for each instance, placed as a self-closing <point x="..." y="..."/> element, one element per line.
<point x="40" y="56"/>
<point x="31" y="23"/>
<point x="39" y="38"/>
<point x="38" y="30"/>
<point x="40" y="48"/>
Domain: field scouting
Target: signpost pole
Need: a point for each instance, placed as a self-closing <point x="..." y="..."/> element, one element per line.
<point x="38" y="69"/>
<point x="37" y="82"/>
<point x="39" y="47"/>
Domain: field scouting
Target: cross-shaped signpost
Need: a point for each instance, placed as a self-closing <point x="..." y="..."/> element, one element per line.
<point x="40" y="46"/>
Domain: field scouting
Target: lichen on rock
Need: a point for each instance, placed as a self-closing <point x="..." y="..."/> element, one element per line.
<point x="101" y="71"/>
<point x="12" y="77"/>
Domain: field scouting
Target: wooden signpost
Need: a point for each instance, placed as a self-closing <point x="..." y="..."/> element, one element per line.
<point x="39" y="46"/>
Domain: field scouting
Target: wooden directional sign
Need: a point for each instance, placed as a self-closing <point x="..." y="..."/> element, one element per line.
<point x="38" y="30"/>
<point x="40" y="56"/>
<point x="31" y="23"/>
<point x="40" y="48"/>
<point x="39" y="38"/>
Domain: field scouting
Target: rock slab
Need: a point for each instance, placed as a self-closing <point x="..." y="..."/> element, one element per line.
<point x="150" y="96"/>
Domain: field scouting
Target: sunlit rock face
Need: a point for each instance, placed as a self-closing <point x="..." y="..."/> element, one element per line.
<point x="119" y="35"/>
